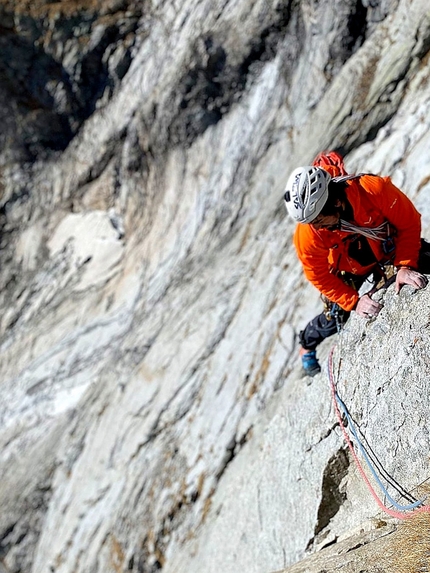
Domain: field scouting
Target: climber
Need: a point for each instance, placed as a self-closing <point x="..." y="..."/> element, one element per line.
<point x="350" y="227"/>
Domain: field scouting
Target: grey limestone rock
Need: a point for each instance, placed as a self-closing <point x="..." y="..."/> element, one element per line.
<point x="153" y="416"/>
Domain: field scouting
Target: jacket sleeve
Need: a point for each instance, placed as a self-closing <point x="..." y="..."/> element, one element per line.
<point x="313" y="255"/>
<point x="400" y="212"/>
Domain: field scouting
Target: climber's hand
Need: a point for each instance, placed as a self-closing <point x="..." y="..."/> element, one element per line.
<point x="366" y="307"/>
<point x="406" y="276"/>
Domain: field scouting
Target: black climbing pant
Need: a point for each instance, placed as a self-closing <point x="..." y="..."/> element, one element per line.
<point x="424" y="258"/>
<point x="320" y="328"/>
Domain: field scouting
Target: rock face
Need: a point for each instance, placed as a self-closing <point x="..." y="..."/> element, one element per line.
<point x="153" y="416"/>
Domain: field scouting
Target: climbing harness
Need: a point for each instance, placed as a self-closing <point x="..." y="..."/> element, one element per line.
<point x="401" y="511"/>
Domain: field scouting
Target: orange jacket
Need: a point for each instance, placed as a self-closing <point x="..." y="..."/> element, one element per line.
<point x="323" y="252"/>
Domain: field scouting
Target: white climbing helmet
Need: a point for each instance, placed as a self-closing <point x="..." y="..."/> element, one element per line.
<point x="306" y="193"/>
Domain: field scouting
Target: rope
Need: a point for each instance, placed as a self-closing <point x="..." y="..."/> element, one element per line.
<point x="369" y="463"/>
<point x="379" y="233"/>
<point x="382" y="471"/>
<point x="368" y="449"/>
<point x="399" y="513"/>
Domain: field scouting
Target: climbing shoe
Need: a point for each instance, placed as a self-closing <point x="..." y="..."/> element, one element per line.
<point x="310" y="363"/>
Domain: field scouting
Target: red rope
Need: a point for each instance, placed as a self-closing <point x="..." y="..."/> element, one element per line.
<point x="392" y="512"/>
